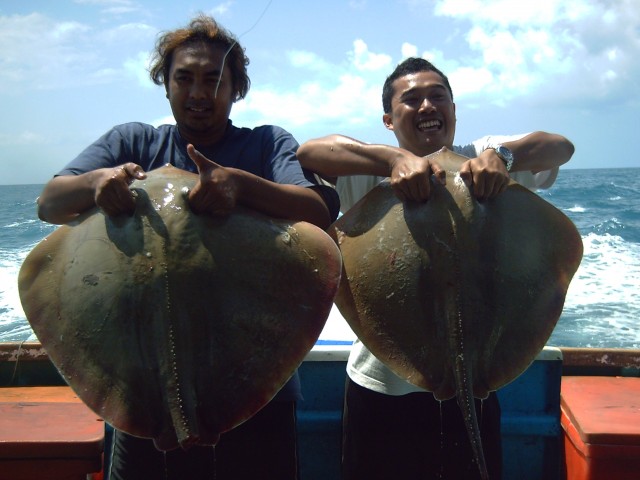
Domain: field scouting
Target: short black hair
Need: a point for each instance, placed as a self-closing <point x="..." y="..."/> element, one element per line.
<point x="407" y="67"/>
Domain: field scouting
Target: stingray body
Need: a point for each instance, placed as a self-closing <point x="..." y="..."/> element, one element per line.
<point x="176" y="326"/>
<point x="456" y="296"/>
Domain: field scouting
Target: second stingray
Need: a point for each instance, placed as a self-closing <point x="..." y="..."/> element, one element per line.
<point x="456" y="296"/>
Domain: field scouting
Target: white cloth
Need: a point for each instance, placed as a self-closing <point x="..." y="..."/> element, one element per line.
<point x="363" y="367"/>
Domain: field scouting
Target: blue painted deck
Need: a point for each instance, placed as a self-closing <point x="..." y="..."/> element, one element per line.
<point x="530" y="408"/>
<point x="530" y="416"/>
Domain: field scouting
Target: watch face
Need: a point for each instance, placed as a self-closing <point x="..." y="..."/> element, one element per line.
<point x="505" y="154"/>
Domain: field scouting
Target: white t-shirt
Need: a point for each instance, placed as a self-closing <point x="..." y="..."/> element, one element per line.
<point x="363" y="367"/>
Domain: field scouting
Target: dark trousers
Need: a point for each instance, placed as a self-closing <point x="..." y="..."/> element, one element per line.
<point x="262" y="448"/>
<point x="414" y="437"/>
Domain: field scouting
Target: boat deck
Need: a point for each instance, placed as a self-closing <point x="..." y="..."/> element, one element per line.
<point x="532" y="434"/>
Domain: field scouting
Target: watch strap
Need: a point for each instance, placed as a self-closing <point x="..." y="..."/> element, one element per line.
<point x="504" y="154"/>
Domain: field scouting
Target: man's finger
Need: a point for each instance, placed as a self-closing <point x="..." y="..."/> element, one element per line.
<point x="421" y="188"/>
<point x="439" y="174"/>
<point x="203" y="163"/>
<point x="466" y="175"/>
<point x="134" y="171"/>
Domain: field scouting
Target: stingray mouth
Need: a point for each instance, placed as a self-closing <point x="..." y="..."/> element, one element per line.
<point x="431" y="125"/>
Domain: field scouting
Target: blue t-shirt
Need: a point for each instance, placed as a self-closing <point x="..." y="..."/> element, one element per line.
<point x="267" y="151"/>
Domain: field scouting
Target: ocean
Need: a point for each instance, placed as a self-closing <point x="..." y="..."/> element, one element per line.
<point x="602" y="308"/>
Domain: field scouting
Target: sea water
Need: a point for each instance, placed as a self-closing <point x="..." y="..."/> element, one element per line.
<point x="602" y="307"/>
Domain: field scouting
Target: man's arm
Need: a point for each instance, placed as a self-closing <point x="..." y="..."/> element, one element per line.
<point x="66" y="196"/>
<point x="535" y="152"/>
<point x="336" y="155"/>
<point x="538" y="151"/>
<point x="217" y="192"/>
<point x="219" y="189"/>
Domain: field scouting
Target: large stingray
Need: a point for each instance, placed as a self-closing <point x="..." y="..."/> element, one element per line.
<point x="456" y="296"/>
<point x="176" y="326"/>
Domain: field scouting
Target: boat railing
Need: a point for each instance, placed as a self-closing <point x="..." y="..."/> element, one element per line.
<point x="530" y="404"/>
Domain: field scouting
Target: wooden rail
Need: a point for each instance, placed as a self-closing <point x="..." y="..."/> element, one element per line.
<point x="572" y="357"/>
<point x="22" y="351"/>
<point x="600" y="357"/>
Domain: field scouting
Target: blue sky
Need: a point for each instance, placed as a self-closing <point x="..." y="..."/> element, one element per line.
<point x="70" y="70"/>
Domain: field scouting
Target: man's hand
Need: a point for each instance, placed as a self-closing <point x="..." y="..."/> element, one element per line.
<point x="112" y="192"/>
<point x="485" y="175"/>
<point x="216" y="192"/>
<point x="410" y="177"/>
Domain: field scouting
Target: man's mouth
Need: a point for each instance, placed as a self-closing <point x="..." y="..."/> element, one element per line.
<point x="197" y="109"/>
<point x="429" y="125"/>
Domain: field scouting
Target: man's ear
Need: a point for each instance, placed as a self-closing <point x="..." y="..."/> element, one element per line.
<point x="388" y="122"/>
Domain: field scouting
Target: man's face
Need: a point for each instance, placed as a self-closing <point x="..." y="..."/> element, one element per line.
<point x="200" y="92"/>
<point x="423" y="115"/>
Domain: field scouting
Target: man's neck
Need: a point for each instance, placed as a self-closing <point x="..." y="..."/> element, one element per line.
<point x="428" y="150"/>
<point x="204" y="139"/>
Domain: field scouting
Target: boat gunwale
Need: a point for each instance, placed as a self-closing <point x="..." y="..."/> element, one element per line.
<point x="570" y="356"/>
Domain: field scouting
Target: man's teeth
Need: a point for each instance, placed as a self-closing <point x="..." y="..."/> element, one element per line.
<point x="429" y="124"/>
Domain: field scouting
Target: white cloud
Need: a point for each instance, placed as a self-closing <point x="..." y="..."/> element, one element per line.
<point x="38" y="52"/>
<point x="506" y="13"/>
<point x="363" y="59"/>
<point x="221" y="9"/>
<point x="352" y="100"/>
<point x="467" y="80"/>
<point x="357" y="4"/>
<point x="537" y="49"/>
<point x="408" y="50"/>
<point x="66" y="30"/>
<point x="129" y="32"/>
<point x="166" y="120"/>
<point x="113" y="7"/>
<point x="308" y="60"/>
<point x="341" y="95"/>
<point x="138" y="67"/>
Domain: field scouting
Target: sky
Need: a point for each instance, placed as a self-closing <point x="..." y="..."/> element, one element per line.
<point x="72" y="69"/>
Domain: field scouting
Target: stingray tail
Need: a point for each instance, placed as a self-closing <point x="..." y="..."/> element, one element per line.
<point x="466" y="402"/>
<point x="461" y="372"/>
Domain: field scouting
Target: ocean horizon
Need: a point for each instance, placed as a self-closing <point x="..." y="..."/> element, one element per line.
<point x="601" y="310"/>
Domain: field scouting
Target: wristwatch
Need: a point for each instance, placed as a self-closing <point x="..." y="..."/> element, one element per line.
<point x="505" y="155"/>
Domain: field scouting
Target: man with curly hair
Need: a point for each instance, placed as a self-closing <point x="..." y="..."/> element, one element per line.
<point x="203" y="70"/>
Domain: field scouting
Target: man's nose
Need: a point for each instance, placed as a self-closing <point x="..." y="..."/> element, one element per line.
<point x="426" y="105"/>
<point x="198" y="89"/>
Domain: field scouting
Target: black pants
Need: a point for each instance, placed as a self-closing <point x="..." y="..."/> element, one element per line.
<point x="414" y="437"/>
<point x="262" y="448"/>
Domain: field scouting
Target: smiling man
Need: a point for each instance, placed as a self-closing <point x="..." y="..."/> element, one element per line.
<point x="203" y="70"/>
<point x="393" y="429"/>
